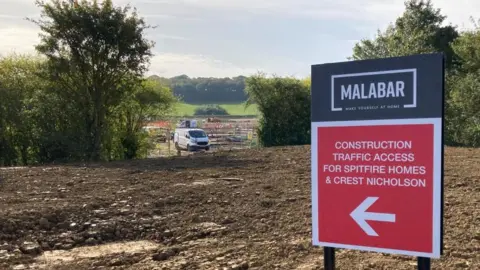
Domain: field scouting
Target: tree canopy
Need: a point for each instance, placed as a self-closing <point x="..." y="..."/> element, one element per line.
<point x="85" y="97"/>
<point x="206" y="90"/>
<point x="95" y="52"/>
<point x="421" y="28"/>
<point x="418" y="30"/>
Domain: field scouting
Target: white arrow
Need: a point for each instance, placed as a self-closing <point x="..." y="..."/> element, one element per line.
<point x="360" y="215"/>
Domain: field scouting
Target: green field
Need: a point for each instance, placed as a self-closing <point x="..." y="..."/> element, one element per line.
<point x="184" y="109"/>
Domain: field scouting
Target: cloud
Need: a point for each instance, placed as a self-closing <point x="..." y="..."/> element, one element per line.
<point x="377" y="11"/>
<point x="18" y="40"/>
<point x="170" y="64"/>
<point x="232" y="37"/>
<point x="458" y="12"/>
<point x="6" y="16"/>
<point x="22" y="40"/>
<point x="163" y="36"/>
<point x="346" y="9"/>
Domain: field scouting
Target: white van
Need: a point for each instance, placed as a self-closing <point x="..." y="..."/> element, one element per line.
<point x="191" y="139"/>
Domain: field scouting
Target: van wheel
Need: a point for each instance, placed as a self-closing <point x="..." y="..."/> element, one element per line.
<point x="189" y="149"/>
<point x="207" y="148"/>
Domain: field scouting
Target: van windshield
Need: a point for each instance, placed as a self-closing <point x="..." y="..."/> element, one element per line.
<point x="197" y="133"/>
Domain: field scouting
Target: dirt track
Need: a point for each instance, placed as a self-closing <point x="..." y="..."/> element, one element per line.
<point x="235" y="210"/>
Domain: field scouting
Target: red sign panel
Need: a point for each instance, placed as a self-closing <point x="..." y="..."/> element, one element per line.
<point x="376" y="187"/>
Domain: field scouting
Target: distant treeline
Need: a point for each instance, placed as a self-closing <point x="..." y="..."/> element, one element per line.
<point x="206" y="90"/>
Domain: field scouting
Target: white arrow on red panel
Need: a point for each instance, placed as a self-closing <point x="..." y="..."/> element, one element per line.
<point x="360" y="215"/>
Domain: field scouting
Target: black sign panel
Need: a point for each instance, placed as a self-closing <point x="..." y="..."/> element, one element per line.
<point x="389" y="88"/>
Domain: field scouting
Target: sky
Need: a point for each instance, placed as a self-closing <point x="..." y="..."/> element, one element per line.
<point x="226" y="38"/>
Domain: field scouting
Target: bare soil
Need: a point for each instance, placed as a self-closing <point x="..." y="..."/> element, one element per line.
<point x="246" y="209"/>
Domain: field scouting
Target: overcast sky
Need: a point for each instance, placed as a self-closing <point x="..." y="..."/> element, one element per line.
<point x="222" y="38"/>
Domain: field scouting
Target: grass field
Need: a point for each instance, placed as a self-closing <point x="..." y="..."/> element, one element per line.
<point x="184" y="109"/>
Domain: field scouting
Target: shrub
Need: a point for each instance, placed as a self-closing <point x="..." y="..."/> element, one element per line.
<point x="213" y="109"/>
<point x="284" y="106"/>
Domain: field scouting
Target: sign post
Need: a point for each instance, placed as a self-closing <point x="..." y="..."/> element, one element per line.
<point x="377" y="156"/>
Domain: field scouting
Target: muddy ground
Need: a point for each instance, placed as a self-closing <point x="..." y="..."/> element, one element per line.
<point x="247" y="209"/>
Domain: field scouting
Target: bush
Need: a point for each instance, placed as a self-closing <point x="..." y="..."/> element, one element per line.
<point x="210" y="110"/>
<point x="284" y="106"/>
<point x="42" y="124"/>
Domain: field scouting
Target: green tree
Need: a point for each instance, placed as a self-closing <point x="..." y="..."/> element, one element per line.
<point x="206" y="90"/>
<point x="93" y="51"/>
<point x="284" y="106"/>
<point x="467" y="47"/>
<point x="148" y="101"/>
<point x="19" y="84"/>
<point x="419" y="30"/>
<point x="463" y="125"/>
<point x="211" y="109"/>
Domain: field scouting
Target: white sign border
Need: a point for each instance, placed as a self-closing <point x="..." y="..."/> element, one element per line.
<point x="437" y="183"/>
<point x="395" y="71"/>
